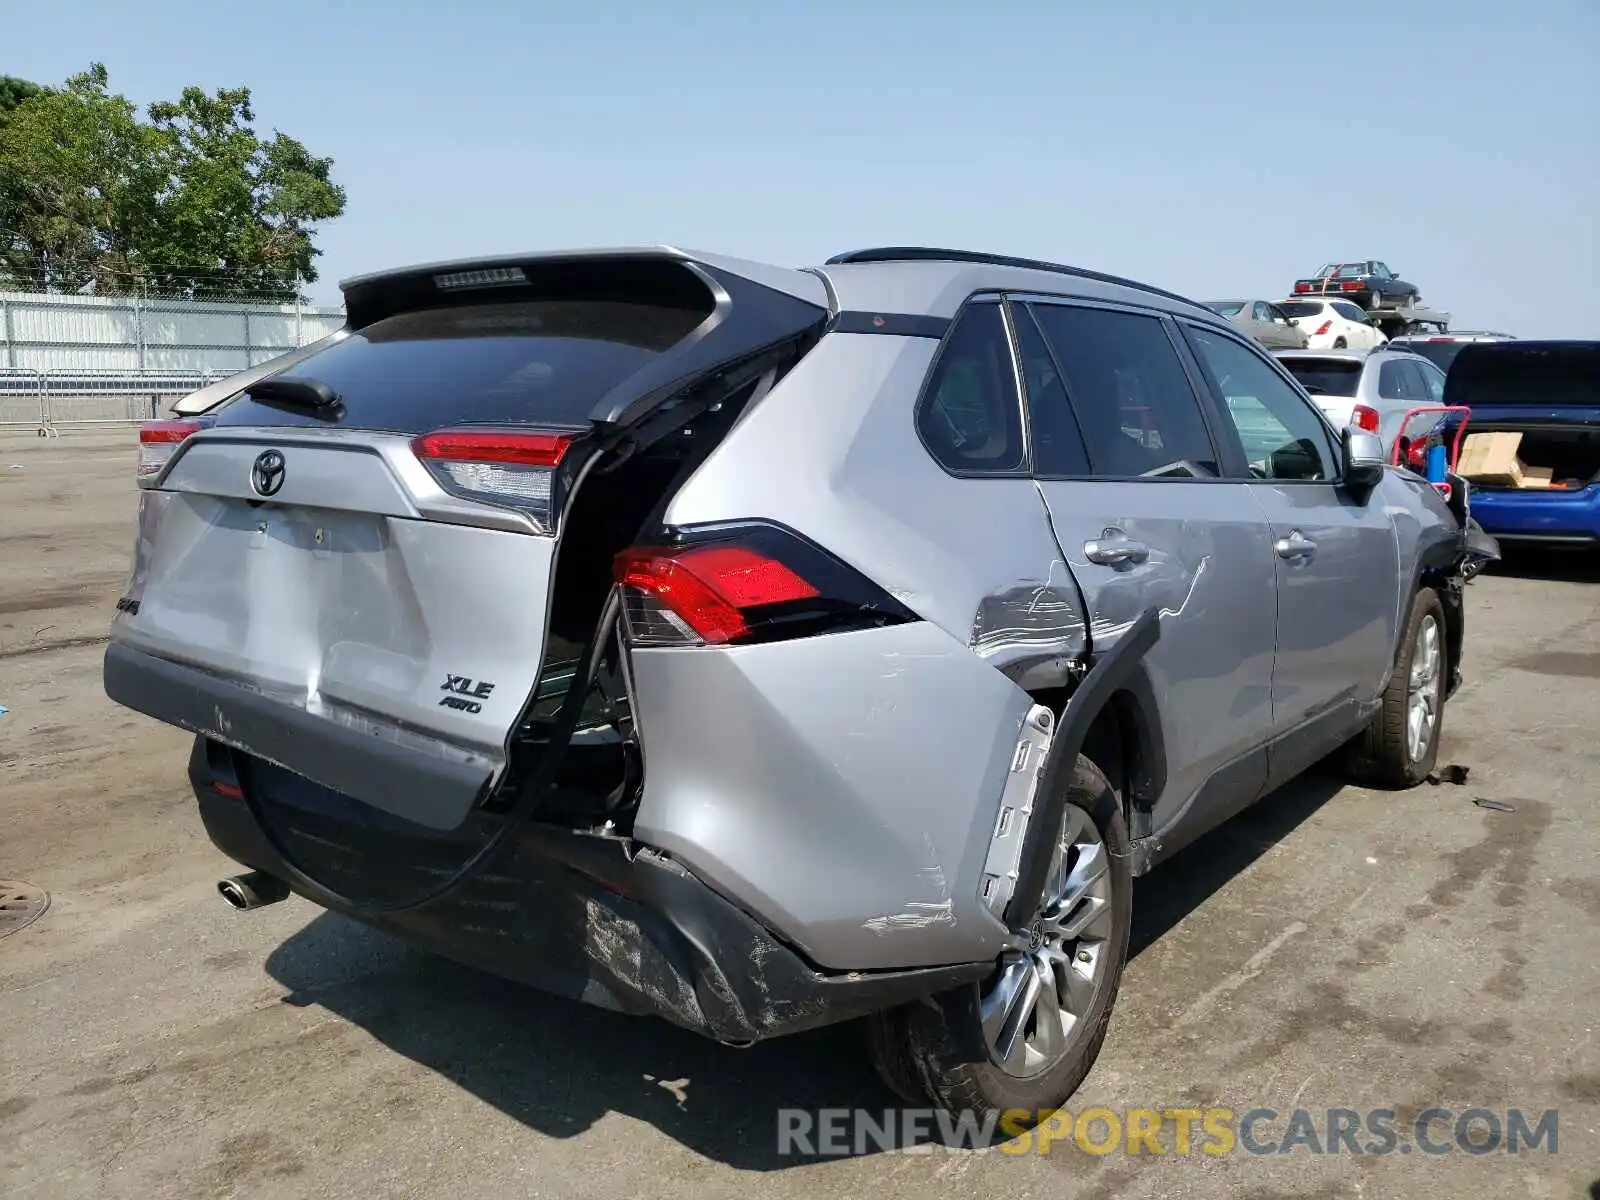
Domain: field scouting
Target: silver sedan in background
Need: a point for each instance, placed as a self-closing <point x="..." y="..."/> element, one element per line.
<point x="1262" y="320"/>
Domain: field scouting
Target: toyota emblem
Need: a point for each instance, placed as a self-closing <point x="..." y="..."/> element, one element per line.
<point x="267" y="474"/>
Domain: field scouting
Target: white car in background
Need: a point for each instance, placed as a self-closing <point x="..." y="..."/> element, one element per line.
<point x="1368" y="389"/>
<point x="1332" y="324"/>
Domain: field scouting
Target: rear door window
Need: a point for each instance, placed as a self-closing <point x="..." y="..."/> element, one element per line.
<point x="970" y="416"/>
<point x="1433" y="381"/>
<point x="1133" y="400"/>
<point x="1058" y="447"/>
<point x="537" y="361"/>
<point x="1349" y="312"/>
<point x="1395" y="381"/>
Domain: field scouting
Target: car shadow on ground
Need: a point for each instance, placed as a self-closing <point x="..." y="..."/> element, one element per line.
<point x="559" y="1067"/>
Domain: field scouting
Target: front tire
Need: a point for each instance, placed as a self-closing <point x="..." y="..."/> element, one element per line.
<point x="1044" y="1012"/>
<point x="1400" y="747"/>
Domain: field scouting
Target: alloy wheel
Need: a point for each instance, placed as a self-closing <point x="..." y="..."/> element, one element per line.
<point x="1422" y="692"/>
<point x="1041" y="995"/>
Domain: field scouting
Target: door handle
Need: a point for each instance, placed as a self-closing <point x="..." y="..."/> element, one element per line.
<point x="1113" y="549"/>
<point x="1296" y="545"/>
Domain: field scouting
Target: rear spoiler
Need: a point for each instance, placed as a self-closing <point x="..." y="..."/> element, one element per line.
<point x="750" y="307"/>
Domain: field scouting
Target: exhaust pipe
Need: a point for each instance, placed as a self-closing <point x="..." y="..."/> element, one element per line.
<point x="256" y="889"/>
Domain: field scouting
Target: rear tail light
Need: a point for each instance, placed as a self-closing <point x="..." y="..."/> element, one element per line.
<point x="1302" y="287"/>
<point x="1353" y="286"/>
<point x="1363" y="417"/>
<point x="159" y="441"/>
<point x="753" y="583"/>
<point x="1323" y="328"/>
<point x="508" y="467"/>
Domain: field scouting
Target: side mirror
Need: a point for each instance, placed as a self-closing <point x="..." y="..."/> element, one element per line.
<point x="1364" y="459"/>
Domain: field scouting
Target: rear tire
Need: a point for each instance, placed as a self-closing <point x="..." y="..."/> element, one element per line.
<point x="1034" y="1065"/>
<point x="1400" y="747"/>
<point x="1339" y="343"/>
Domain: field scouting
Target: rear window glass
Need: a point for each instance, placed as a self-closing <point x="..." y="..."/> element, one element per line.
<point x="549" y="361"/>
<point x="1325" y="376"/>
<point x="1440" y="354"/>
<point x="1300" y="308"/>
<point x="1490" y="373"/>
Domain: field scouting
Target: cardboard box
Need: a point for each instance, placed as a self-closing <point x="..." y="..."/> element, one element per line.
<point x="1491" y="458"/>
<point x="1537" y="477"/>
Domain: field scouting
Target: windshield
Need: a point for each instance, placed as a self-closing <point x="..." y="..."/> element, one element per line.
<point x="548" y="361"/>
<point x="1559" y="375"/>
<point x="1300" y="308"/>
<point x="1225" y="308"/>
<point x="1325" y="376"/>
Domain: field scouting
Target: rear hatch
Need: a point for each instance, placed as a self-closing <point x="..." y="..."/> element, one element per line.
<point x="351" y="571"/>
<point x="1549" y="393"/>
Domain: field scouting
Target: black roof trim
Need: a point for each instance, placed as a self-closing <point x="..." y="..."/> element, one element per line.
<point x="888" y="254"/>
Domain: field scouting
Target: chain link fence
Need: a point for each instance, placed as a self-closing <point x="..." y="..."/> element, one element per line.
<point x="46" y="400"/>
<point x="81" y="360"/>
<point x="152" y="334"/>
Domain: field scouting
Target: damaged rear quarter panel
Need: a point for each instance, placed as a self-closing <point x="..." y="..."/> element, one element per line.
<point x="848" y="795"/>
<point x="842" y="789"/>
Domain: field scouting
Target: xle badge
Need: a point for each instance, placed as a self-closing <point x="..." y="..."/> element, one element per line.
<point x="464" y="693"/>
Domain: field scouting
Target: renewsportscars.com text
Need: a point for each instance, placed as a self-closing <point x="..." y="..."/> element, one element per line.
<point x="842" y="1132"/>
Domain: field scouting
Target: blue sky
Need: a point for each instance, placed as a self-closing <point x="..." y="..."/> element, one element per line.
<point x="1215" y="149"/>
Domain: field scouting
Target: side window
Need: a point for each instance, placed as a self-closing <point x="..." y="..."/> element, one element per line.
<point x="1057" y="442"/>
<point x="1131" y="395"/>
<point x="1393" y="380"/>
<point x="970" y="416"/>
<point x="1433" y="378"/>
<point x="1263" y="312"/>
<point x="1284" y="438"/>
<point x="1349" y="312"/>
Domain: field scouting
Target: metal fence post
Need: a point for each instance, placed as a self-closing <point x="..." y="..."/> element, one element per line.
<point x="299" y="337"/>
<point x="138" y="328"/>
<point x="5" y="331"/>
<point x="46" y="426"/>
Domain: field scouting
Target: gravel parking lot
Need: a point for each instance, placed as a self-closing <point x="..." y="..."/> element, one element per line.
<point x="1333" y="948"/>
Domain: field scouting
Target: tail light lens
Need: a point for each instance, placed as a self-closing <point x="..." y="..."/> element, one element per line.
<point x="752" y="583"/>
<point x="516" y="468"/>
<point x="1323" y="328"/>
<point x="1353" y="286"/>
<point x="159" y="441"/>
<point x="1363" y="417"/>
<point x="1302" y="287"/>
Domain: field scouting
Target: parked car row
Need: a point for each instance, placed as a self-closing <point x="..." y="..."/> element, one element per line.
<point x="687" y="635"/>
<point x="1314" y="324"/>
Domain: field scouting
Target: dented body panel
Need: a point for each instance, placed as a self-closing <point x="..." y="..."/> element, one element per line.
<point x="843" y="787"/>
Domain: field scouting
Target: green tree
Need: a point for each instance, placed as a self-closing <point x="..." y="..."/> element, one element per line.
<point x="73" y="177"/>
<point x="14" y="91"/>
<point x="186" y="200"/>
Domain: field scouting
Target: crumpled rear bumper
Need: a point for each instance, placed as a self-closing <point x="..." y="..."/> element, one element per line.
<point x="602" y="920"/>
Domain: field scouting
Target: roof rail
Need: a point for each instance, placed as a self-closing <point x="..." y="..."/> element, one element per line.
<point x="887" y="254"/>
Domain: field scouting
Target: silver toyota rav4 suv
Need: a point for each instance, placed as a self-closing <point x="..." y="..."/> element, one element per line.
<point x="761" y="648"/>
